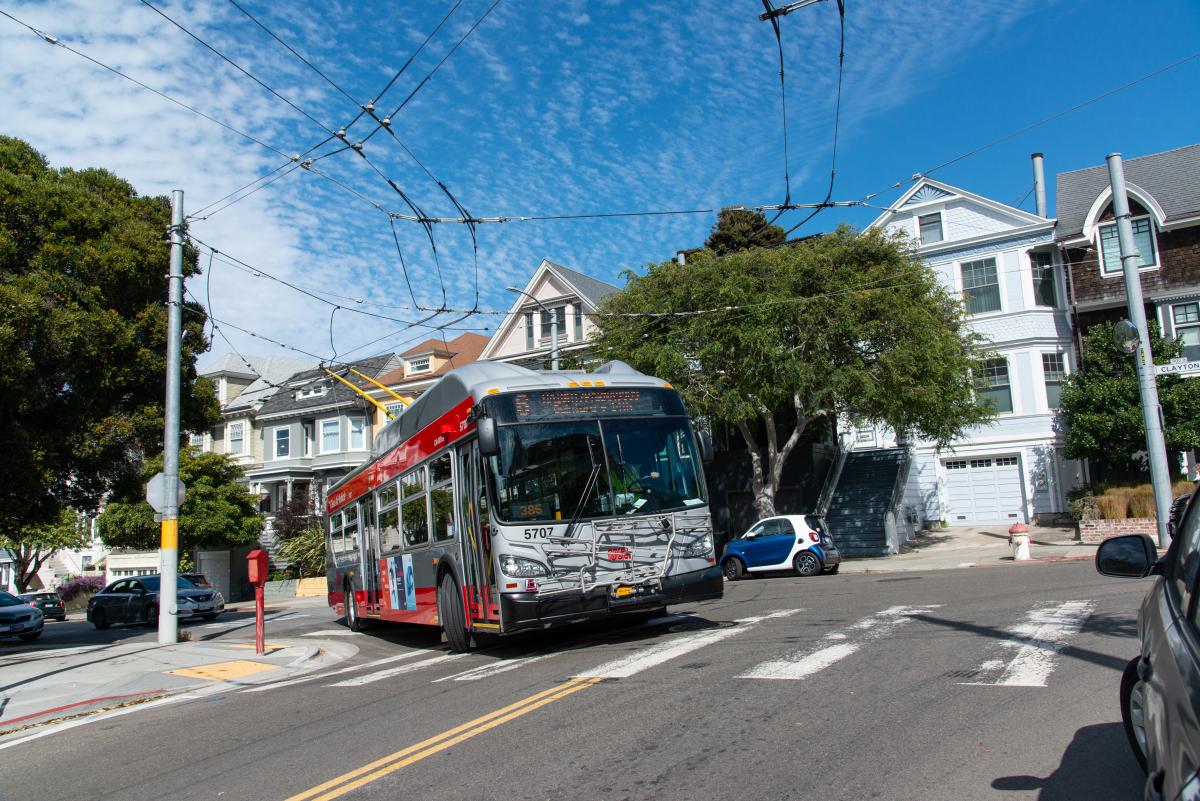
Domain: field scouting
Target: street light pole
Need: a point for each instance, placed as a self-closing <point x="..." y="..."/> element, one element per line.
<point x="1160" y="477"/>
<point x="168" y="613"/>
<point x="553" y="325"/>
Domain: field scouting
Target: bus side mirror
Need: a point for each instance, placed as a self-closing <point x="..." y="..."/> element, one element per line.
<point x="489" y="445"/>
<point x="706" y="446"/>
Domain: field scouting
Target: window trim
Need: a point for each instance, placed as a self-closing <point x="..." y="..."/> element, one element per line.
<point x="362" y="433"/>
<point x="321" y="432"/>
<point x="962" y="285"/>
<point x="1053" y="277"/>
<point x="941" y="223"/>
<point x="420" y="364"/>
<point x="1060" y="381"/>
<point x="1012" y="409"/>
<point x="240" y="427"/>
<point x="287" y="431"/>
<point x="1098" y="243"/>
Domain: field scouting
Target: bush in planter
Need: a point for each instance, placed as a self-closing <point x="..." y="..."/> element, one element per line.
<point x="81" y="585"/>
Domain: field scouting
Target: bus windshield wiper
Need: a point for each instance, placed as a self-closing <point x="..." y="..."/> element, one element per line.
<point x="588" y="486"/>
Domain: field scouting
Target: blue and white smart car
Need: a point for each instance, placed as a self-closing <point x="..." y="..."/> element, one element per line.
<point x="787" y="542"/>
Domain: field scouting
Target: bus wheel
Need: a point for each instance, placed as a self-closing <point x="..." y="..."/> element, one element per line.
<point x="352" y="621"/>
<point x="450" y="613"/>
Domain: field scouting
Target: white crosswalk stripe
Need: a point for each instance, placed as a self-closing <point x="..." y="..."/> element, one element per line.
<point x="1034" y="646"/>
<point x="411" y="667"/>
<point x="645" y="658"/>
<point x="387" y="660"/>
<point x="803" y="664"/>
<point x="494" y="669"/>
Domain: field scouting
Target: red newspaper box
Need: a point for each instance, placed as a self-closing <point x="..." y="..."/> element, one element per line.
<point x="256" y="565"/>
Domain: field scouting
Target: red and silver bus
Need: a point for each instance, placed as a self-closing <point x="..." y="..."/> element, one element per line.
<point x="506" y="499"/>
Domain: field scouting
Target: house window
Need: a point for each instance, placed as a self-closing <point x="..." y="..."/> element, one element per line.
<point x="578" y="322"/>
<point x="331" y="436"/>
<point x="196" y="440"/>
<point x="1186" y="317"/>
<point x="995" y="387"/>
<point x="958" y="464"/>
<point x="865" y="435"/>
<point x="237" y="439"/>
<point x="1043" y="279"/>
<point x="1055" y="372"/>
<point x="312" y="391"/>
<point x="931" y="228"/>
<point x="307" y="430"/>
<point x="357" y="434"/>
<point x="419" y="364"/>
<point x="1006" y="461"/>
<point x="283" y="443"/>
<point x="981" y="286"/>
<point x="1143" y="243"/>
<point x="559" y="312"/>
<point x="529" y="330"/>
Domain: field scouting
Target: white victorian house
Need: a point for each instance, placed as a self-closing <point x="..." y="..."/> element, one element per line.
<point x="554" y="291"/>
<point x="1004" y="262"/>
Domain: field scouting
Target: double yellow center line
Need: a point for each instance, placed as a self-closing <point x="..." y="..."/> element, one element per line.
<point x="348" y="782"/>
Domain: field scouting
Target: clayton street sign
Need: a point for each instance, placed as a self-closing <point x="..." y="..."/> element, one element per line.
<point x="1185" y="368"/>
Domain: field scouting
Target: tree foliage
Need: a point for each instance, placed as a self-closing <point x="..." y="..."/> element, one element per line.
<point x="35" y="544"/>
<point x="217" y="509"/>
<point x="83" y="329"/>
<point x="294" y="517"/>
<point x="839" y="324"/>
<point x="1101" y="407"/>
<point x="739" y="229"/>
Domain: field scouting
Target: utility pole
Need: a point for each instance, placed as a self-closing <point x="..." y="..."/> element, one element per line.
<point x="553" y="325"/>
<point x="168" y="596"/>
<point x="1160" y="476"/>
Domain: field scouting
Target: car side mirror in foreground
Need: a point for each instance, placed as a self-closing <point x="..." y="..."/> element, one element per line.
<point x="1131" y="556"/>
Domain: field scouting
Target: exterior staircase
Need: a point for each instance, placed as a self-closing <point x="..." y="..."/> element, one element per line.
<point x="864" y="499"/>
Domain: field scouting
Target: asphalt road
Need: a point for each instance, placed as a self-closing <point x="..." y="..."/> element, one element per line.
<point x="961" y="684"/>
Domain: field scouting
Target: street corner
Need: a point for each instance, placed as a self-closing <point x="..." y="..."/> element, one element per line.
<point x="234" y="662"/>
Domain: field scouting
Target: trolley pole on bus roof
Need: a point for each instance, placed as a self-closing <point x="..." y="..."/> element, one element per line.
<point x="1160" y="477"/>
<point x="168" y="596"/>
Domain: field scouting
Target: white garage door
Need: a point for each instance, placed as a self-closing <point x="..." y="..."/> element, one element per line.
<point x="984" y="490"/>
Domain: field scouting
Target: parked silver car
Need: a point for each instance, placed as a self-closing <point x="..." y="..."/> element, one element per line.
<point x="19" y="619"/>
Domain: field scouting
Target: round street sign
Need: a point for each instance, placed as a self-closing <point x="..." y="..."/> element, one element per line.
<point x="156" y="492"/>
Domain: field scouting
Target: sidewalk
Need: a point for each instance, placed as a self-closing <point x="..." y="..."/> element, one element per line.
<point x="973" y="546"/>
<point x="56" y="684"/>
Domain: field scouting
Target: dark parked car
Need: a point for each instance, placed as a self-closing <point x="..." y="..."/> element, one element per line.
<point x="198" y="579"/>
<point x="49" y="602"/>
<point x="135" y="600"/>
<point x="19" y="619"/>
<point x="1160" y="688"/>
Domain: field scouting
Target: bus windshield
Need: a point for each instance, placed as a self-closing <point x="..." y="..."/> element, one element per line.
<point x="559" y="471"/>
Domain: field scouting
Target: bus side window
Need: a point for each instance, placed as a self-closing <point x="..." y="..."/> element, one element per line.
<point x="333" y="543"/>
<point x="350" y="532"/>
<point x="441" y="498"/>
<point x="414" y="516"/>
<point x="389" y="518"/>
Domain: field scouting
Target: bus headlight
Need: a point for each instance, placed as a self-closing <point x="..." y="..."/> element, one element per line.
<point x="520" y="567"/>
<point x="700" y="548"/>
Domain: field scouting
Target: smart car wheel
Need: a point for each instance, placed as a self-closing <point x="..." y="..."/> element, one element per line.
<point x="806" y="563"/>
<point x="1133" y="710"/>
<point x="733" y="568"/>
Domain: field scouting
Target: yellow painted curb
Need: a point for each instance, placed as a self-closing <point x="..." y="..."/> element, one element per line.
<point x="311" y="587"/>
<point x="224" y="671"/>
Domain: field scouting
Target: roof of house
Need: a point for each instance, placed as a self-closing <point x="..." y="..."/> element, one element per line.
<point x="271" y="371"/>
<point x="593" y="290"/>
<point x="462" y="350"/>
<point x="288" y="399"/>
<point x="1172" y="178"/>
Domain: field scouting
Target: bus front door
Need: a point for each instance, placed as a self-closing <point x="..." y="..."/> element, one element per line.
<point x="476" y="543"/>
<point x="369" y="564"/>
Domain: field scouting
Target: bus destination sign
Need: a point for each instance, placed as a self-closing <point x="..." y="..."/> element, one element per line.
<point x="577" y="404"/>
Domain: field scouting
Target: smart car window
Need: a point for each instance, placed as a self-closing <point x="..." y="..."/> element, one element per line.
<point x="786" y="527"/>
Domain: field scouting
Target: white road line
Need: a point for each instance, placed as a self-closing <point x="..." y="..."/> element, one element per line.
<point x="333" y="633"/>
<point x="494" y="669"/>
<point x="396" y="671"/>
<point x="803" y="664"/>
<point x="364" y="666"/>
<point x="646" y="658"/>
<point x="1035" y="644"/>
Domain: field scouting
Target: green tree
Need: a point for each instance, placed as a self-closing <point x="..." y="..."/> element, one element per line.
<point x="83" y="329"/>
<point x="1102" y="411"/>
<point x="217" y="509"/>
<point x="842" y="324"/>
<point x="739" y="229"/>
<point x="35" y="544"/>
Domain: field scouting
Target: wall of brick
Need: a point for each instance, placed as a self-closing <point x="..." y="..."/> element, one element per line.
<point x="1096" y="531"/>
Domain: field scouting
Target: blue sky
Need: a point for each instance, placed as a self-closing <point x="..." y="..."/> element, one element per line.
<point x="570" y="107"/>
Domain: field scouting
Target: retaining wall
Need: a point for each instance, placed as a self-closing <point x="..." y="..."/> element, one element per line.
<point x="1095" y="531"/>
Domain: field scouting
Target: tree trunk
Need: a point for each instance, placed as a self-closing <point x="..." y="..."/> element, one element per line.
<point x="766" y="482"/>
<point x="764" y="502"/>
<point x="29" y="561"/>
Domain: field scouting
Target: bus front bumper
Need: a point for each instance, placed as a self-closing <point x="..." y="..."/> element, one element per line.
<point x="526" y="611"/>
